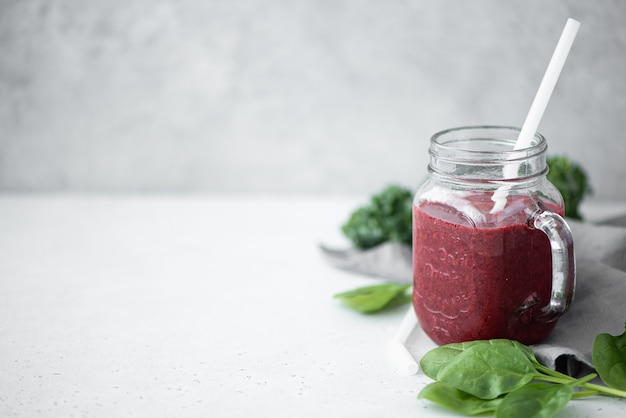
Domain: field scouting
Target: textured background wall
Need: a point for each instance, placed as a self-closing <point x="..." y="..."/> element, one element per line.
<point x="283" y="96"/>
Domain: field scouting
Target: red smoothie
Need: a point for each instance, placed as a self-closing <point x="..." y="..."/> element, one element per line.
<point x="480" y="282"/>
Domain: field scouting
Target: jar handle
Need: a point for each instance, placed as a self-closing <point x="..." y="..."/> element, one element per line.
<point x="563" y="264"/>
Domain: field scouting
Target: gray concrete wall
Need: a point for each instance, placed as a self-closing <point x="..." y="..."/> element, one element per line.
<point x="329" y="96"/>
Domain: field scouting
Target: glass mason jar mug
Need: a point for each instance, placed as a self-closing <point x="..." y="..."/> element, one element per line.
<point x="492" y="255"/>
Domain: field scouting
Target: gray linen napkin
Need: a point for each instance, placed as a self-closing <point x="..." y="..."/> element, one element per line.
<point x="391" y="261"/>
<point x="599" y="302"/>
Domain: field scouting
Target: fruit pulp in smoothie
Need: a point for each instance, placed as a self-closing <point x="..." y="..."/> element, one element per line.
<point x="477" y="279"/>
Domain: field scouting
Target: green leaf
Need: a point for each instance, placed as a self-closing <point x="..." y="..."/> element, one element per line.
<point x="375" y="298"/>
<point x="456" y="400"/>
<point x="535" y="400"/>
<point x="609" y="359"/>
<point x="488" y="370"/>
<point x="436" y="359"/>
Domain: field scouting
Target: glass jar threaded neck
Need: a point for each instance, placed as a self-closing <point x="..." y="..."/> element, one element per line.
<point x="486" y="155"/>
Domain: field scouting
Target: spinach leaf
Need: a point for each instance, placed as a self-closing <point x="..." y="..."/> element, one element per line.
<point x="609" y="358"/>
<point x="535" y="400"/>
<point x="457" y="400"/>
<point x="485" y="369"/>
<point x="436" y="359"/>
<point x="375" y="298"/>
<point x="488" y="370"/>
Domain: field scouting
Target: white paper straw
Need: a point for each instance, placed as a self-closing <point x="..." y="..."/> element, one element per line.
<point x="538" y="107"/>
<point x="400" y="355"/>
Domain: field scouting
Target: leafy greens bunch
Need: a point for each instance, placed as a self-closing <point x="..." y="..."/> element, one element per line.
<point x="387" y="217"/>
<point x="504" y="378"/>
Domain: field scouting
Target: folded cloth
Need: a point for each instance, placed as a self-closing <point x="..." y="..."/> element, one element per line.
<point x="599" y="301"/>
<point x="391" y="261"/>
<point x="598" y="304"/>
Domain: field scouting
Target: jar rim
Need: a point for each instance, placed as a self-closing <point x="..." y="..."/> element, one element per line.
<point x="453" y="143"/>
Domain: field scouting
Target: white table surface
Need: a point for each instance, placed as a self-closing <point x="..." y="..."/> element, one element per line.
<point x="185" y="306"/>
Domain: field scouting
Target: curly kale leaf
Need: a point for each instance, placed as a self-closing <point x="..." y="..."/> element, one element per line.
<point x="387" y="217"/>
<point x="571" y="180"/>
